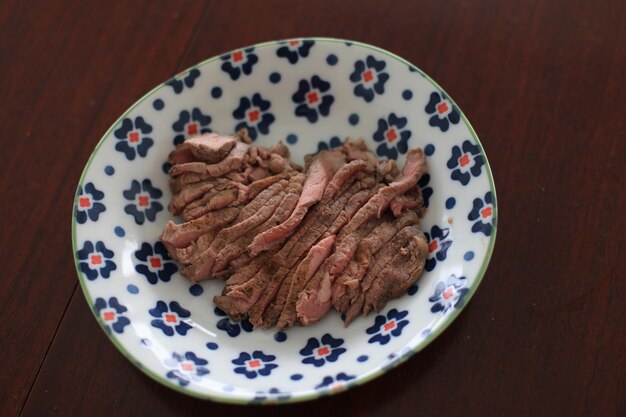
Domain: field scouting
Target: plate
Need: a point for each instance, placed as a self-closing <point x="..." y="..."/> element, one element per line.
<point x="311" y="93"/>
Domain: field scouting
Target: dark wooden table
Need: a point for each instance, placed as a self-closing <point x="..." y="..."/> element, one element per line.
<point x="543" y="83"/>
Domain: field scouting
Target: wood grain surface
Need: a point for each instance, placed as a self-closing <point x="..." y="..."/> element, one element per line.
<point x="543" y="83"/>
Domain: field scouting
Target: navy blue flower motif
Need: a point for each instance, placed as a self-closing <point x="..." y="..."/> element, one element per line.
<point x="112" y="313"/>
<point x="144" y="201"/>
<point x="231" y="327"/>
<point x="425" y="189"/>
<point x="442" y="111"/>
<point x="87" y="203"/>
<point x="392" y="135"/>
<point x="183" y="80"/>
<point x="466" y="161"/>
<point x="254" y="115"/>
<point x="369" y="77"/>
<point x="156" y="263"/>
<point x="270" y="396"/>
<point x="254" y="365"/>
<point x="96" y="262"/>
<point x="313" y="99"/>
<point x="317" y="352"/>
<point x="384" y="328"/>
<point x="438" y="243"/>
<point x="190" y="123"/>
<point x="186" y="368"/>
<point x="169" y="319"/>
<point x="448" y="294"/>
<point x="132" y="137"/>
<point x="294" y="49"/>
<point x="334" y="142"/>
<point x="239" y="62"/>
<point x="482" y="215"/>
<point x="336" y="382"/>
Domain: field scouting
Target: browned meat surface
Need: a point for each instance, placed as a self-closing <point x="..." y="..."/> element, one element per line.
<point x="344" y="233"/>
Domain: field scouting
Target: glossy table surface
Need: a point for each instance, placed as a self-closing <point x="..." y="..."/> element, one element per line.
<point x="543" y="85"/>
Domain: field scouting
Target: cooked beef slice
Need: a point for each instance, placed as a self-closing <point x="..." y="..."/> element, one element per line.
<point x="379" y="262"/>
<point x="181" y="235"/>
<point x="315" y="299"/>
<point x="320" y="173"/>
<point x="387" y="170"/>
<point x="346" y="286"/>
<point x="233" y="161"/>
<point x="303" y="271"/>
<point x="195" y="191"/>
<point x="284" y="209"/>
<point x="210" y="148"/>
<point x="409" y="201"/>
<point x="254" y="213"/>
<point x="187" y="254"/>
<point x="320" y="220"/>
<point x="215" y="199"/>
<point x="403" y="270"/>
<point x="414" y="168"/>
<point x="357" y="150"/>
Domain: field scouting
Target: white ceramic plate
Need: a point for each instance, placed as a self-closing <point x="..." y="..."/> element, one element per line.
<point x="310" y="93"/>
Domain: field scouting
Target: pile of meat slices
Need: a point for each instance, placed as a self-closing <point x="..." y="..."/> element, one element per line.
<point x="292" y="242"/>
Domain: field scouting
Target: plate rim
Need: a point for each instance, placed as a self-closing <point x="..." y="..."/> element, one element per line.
<point x="308" y="395"/>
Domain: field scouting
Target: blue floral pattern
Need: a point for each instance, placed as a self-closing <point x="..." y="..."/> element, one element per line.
<point x="232" y="328"/>
<point x="186" y="367"/>
<point x="318" y="352"/>
<point x="333" y="142"/>
<point x="335" y="382"/>
<point x="438" y="244"/>
<point x="188" y="80"/>
<point x="95" y="261"/>
<point x="386" y="327"/>
<point x="132" y="137"/>
<point x="313" y="99"/>
<point x="254" y="115"/>
<point x="466" y="162"/>
<point x="190" y="123"/>
<point x="369" y="77"/>
<point x="88" y="203"/>
<point x="170" y="318"/>
<point x="112" y="314"/>
<point x="255" y="364"/>
<point x="270" y="396"/>
<point x="482" y="215"/>
<point x="144" y="204"/>
<point x="442" y="111"/>
<point x="294" y="49"/>
<point x="448" y="294"/>
<point x="393" y="136"/>
<point x="239" y="62"/>
<point x="155" y="263"/>
<point x="425" y="188"/>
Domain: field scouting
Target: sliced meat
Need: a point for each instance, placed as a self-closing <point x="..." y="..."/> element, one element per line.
<point x="280" y="149"/>
<point x="315" y="225"/>
<point x="388" y="170"/>
<point x="215" y="199"/>
<point x="194" y="191"/>
<point x="357" y="150"/>
<point x="284" y="209"/>
<point x="315" y="187"/>
<point x="256" y="212"/>
<point x="255" y="173"/>
<point x="185" y="255"/>
<point x="414" y="168"/>
<point x="409" y="201"/>
<point x="346" y="287"/>
<point x="310" y="265"/>
<point x="177" y="184"/>
<point x="257" y="186"/>
<point x="291" y="287"/>
<point x="233" y="161"/>
<point x="403" y="270"/>
<point x="381" y="259"/>
<point x="181" y="235"/>
<point x="210" y="148"/>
